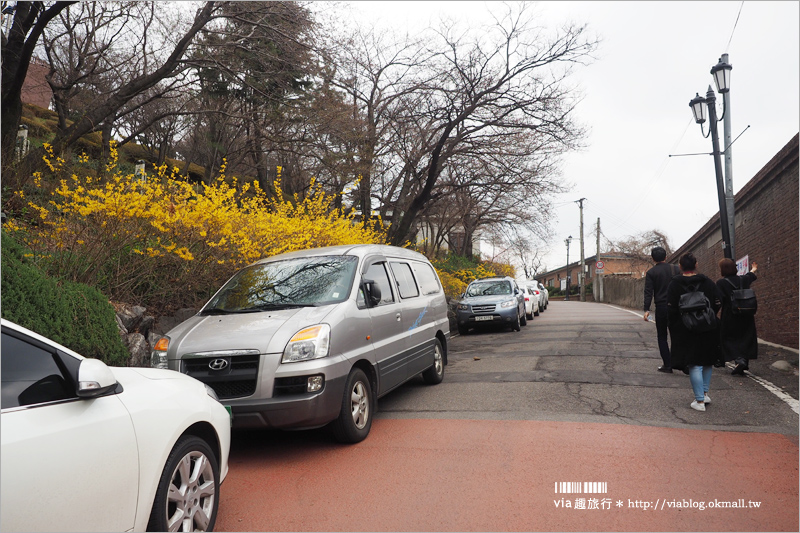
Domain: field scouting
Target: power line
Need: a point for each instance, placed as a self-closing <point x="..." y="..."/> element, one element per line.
<point x="734" y="27"/>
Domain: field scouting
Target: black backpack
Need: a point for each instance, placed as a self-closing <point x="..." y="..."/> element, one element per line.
<point x="696" y="312"/>
<point x="743" y="301"/>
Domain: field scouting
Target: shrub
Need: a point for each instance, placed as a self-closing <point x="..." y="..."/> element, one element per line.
<point x="74" y="315"/>
<point x="165" y="243"/>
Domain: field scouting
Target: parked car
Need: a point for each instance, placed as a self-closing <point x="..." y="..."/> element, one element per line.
<point x="545" y="295"/>
<point x="531" y="302"/>
<point x="491" y="301"/>
<point x="307" y="338"/>
<point x="87" y="447"/>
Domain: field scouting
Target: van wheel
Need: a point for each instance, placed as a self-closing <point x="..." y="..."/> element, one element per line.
<point x="523" y="320"/>
<point x="515" y="327"/>
<point x="355" y="416"/>
<point x="435" y="374"/>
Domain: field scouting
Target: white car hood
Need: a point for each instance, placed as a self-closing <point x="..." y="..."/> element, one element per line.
<point x="266" y="331"/>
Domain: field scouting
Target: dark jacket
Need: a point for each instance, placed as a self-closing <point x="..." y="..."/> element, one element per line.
<point x="738" y="333"/>
<point x="655" y="284"/>
<point x="691" y="347"/>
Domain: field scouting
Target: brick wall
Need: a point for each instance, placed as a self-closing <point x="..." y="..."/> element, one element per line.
<point x="766" y="231"/>
<point x="35" y="89"/>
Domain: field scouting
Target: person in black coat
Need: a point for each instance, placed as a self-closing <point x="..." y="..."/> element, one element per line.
<point x="656" y="282"/>
<point x="738" y="332"/>
<point x="692" y="351"/>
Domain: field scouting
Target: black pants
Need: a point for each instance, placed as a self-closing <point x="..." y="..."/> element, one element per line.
<point x="661" y="331"/>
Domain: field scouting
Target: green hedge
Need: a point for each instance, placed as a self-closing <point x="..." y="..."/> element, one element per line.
<point x="72" y="314"/>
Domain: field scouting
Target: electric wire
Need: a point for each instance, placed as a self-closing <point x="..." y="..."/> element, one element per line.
<point x="734" y="26"/>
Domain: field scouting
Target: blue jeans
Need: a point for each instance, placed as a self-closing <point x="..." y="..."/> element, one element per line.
<point x="700" y="376"/>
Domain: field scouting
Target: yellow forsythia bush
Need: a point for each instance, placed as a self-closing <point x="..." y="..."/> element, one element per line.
<point x="167" y="243"/>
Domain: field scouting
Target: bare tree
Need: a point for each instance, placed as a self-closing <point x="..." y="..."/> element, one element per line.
<point x="29" y="22"/>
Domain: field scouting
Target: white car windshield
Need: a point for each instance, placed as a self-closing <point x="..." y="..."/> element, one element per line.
<point x="486" y="288"/>
<point x="301" y="282"/>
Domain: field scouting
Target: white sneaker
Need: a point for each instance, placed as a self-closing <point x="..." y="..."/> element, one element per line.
<point x="706" y="399"/>
<point x="698" y="406"/>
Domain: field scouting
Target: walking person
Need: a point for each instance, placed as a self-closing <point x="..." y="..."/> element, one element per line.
<point x="737" y="332"/>
<point x="656" y="282"/>
<point x="695" y="351"/>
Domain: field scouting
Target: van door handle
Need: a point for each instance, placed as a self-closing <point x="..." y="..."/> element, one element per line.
<point x="398" y="317"/>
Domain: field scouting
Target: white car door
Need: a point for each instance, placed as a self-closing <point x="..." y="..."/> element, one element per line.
<point x="67" y="464"/>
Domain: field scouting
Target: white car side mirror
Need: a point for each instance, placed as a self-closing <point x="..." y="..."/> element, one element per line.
<point x="95" y="379"/>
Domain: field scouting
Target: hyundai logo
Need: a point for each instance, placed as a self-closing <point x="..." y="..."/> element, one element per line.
<point x="218" y="364"/>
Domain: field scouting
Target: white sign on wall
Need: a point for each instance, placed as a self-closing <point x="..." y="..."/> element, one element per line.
<point x="743" y="265"/>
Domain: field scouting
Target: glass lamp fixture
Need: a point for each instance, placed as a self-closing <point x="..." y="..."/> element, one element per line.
<point x="698" y="108"/>
<point x="722" y="76"/>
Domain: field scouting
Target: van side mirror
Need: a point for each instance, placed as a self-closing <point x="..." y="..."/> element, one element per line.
<point x="372" y="291"/>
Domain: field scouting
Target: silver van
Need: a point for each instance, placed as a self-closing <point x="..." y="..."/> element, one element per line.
<point x="307" y="338"/>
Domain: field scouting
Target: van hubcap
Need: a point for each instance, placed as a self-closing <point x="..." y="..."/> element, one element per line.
<point x="359" y="405"/>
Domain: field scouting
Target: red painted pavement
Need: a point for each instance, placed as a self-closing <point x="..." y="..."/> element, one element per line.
<point x="490" y="475"/>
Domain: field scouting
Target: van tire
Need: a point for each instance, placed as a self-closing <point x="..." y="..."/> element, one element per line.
<point x="523" y="320"/>
<point x="516" y="327"/>
<point x="355" y="416"/>
<point x="435" y="374"/>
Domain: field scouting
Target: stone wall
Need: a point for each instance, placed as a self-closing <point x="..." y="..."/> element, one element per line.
<point x="624" y="291"/>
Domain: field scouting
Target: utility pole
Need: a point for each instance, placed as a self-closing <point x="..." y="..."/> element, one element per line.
<point x="567" y="241"/>
<point x="597" y="285"/>
<point x="726" y="136"/>
<point x="583" y="261"/>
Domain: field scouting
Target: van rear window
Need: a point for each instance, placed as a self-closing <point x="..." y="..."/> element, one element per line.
<point x="405" y="280"/>
<point x="427" y="279"/>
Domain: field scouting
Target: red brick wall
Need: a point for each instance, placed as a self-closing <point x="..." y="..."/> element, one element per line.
<point x="767" y="231"/>
<point x="35" y="89"/>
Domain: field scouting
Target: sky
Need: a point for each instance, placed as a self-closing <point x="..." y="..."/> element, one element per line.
<point x="654" y="57"/>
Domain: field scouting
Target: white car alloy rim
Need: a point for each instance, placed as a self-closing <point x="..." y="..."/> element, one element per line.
<point x="190" y="502"/>
<point x="359" y="406"/>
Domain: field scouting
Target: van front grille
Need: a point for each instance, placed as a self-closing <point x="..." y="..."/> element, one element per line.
<point x="236" y="380"/>
<point x="489" y="308"/>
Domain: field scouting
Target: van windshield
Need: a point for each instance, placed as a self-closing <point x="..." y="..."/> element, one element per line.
<point x="301" y="282"/>
<point x="485" y="288"/>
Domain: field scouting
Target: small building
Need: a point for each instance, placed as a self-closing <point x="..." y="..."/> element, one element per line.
<point x="614" y="264"/>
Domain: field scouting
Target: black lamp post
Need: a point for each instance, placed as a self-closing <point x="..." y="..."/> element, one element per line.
<point x="699" y="105"/>
<point x="567" y="241"/>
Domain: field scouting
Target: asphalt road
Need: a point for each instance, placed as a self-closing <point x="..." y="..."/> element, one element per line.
<point x="573" y="397"/>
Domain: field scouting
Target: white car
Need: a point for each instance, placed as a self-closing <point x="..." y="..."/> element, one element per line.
<point x="545" y="295"/>
<point x="536" y="297"/>
<point x="531" y="302"/>
<point x="87" y="447"/>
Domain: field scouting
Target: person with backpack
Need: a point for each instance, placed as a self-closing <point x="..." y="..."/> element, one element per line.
<point x="738" y="330"/>
<point x="656" y="282"/>
<point x="693" y="302"/>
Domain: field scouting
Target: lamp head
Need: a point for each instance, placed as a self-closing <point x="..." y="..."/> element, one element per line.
<point x="698" y="108"/>
<point x="722" y="76"/>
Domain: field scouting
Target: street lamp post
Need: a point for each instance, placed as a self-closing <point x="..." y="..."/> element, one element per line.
<point x="567" y="241"/>
<point x="699" y="105"/>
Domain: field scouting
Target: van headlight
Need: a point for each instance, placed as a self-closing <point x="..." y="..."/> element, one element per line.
<point x="509" y="303"/>
<point x="158" y="357"/>
<point x="307" y="344"/>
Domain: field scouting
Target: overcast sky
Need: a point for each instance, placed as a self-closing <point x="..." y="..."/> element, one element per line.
<point x="654" y="57"/>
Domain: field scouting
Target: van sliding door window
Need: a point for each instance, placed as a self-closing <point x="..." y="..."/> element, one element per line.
<point x="405" y="280"/>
